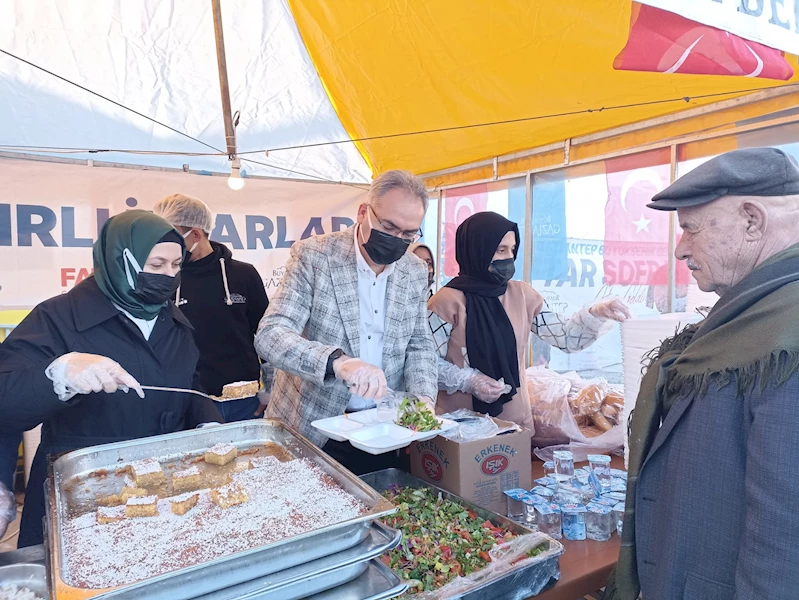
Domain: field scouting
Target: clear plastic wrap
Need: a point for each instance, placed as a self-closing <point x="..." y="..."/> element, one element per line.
<point x="8" y="508"/>
<point x="570" y="413"/>
<point x="471" y="426"/>
<point x="504" y="558"/>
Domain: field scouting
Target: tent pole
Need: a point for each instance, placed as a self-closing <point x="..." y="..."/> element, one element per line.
<point x="224" y="88"/>
<point x="672" y="264"/>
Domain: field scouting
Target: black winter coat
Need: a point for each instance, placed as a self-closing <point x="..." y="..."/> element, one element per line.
<point x="84" y="320"/>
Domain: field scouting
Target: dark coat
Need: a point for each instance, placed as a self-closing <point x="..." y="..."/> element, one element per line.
<point x="84" y="320"/>
<point x="716" y="497"/>
<point x="224" y="306"/>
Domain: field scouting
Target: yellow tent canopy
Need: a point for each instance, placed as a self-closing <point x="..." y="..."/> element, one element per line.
<point x="395" y="66"/>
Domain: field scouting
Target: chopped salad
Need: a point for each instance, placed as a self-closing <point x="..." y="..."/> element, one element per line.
<point x="416" y="415"/>
<point x="440" y="539"/>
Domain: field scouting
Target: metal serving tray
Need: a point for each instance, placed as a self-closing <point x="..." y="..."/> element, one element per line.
<point x="377" y="582"/>
<point x="234" y="569"/>
<point x="516" y="583"/>
<point x="30" y="576"/>
<point x="315" y="576"/>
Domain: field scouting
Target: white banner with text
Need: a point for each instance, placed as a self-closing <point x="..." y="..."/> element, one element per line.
<point x="50" y="214"/>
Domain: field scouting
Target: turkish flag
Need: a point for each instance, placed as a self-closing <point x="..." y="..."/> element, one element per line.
<point x="663" y="42"/>
<point x="636" y="237"/>
<point x="459" y="205"/>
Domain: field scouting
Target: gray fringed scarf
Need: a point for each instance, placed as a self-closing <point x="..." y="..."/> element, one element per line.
<point x="750" y="337"/>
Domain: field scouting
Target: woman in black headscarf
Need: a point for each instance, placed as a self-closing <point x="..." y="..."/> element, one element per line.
<point x="483" y="357"/>
<point x="70" y="363"/>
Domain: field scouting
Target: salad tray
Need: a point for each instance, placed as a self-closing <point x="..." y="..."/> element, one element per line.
<point x="375" y="431"/>
<point x="210" y="576"/>
<point x="516" y="582"/>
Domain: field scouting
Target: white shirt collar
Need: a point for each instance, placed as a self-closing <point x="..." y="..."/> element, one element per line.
<point x="362" y="265"/>
<point x="145" y="326"/>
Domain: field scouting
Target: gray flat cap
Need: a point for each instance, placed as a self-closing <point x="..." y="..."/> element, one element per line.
<point x="748" y="172"/>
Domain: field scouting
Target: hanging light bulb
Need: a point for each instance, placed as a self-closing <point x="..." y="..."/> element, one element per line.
<point x="235" y="182"/>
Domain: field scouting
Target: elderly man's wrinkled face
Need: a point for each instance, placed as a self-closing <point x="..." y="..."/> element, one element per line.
<point x="720" y="243"/>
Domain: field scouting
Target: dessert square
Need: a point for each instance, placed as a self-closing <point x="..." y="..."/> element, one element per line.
<point x="110" y="514"/>
<point x="188" y="479"/>
<point x="180" y="505"/>
<point x="131" y="492"/>
<point x="142" y="506"/>
<point x="109" y="501"/>
<point x="240" y="389"/>
<point x="221" y="454"/>
<point x="241" y="465"/>
<point x="147" y="473"/>
<point x="229" y="495"/>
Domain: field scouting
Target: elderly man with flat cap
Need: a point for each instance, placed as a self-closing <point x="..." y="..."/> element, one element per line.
<point x="712" y="498"/>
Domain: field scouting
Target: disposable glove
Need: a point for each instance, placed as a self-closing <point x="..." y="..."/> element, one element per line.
<point x="363" y="379"/>
<point x="79" y="373"/>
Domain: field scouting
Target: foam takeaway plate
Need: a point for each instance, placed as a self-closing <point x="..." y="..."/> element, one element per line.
<point x="337" y="428"/>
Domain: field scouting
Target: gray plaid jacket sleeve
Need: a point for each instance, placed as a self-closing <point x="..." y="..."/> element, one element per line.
<point x="570" y="334"/>
<point x="279" y="340"/>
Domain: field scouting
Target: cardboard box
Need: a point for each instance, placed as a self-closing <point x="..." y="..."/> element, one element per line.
<point x="478" y="471"/>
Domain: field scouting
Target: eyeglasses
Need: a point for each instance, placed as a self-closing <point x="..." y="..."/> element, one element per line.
<point x="391" y="229"/>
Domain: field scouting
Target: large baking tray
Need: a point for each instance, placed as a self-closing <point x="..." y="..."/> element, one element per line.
<point x="377" y="582"/>
<point x="227" y="571"/>
<point x="315" y="576"/>
<point x="518" y="582"/>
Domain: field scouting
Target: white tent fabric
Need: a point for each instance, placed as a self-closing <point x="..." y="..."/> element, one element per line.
<point x="158" y="57"/>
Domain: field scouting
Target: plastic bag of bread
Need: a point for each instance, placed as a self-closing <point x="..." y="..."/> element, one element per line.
<point x="549" y="401"/>
<point x="586" y="419"/>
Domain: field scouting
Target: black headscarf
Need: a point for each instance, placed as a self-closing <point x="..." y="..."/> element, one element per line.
<point x="490" y="340"/>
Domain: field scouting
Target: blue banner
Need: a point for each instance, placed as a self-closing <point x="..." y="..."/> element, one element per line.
<point x="550" y="247"/>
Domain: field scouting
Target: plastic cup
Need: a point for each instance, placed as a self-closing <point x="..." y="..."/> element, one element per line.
<point x="564" y="465"/>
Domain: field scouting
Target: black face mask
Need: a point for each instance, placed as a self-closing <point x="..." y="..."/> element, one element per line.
<point x="502" y="271"/>
<point x="431" y="278"/>
<point x="153" y="288"/>
<point x="385" y="249"/>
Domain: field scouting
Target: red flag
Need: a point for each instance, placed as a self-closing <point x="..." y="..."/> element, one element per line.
<point x="636" y="237"/>
<point x="663" y="42"/>
<point x="459" y="205"/>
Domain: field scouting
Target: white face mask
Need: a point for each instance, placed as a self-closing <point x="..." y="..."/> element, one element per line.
<point x="185" y="235"/>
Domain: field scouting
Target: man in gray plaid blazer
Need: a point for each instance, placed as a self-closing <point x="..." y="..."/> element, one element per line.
<point x="349" y="319"/>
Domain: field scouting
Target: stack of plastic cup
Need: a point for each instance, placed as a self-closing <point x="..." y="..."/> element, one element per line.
<point x="564" y="465"/>
<point x="600" y="465"/>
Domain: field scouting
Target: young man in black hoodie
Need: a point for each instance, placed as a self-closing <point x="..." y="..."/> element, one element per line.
<point x="224" y="299"/>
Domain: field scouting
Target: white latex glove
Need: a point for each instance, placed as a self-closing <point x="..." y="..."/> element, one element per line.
<point x="485" y="388"/>
<point x="430" y="403"/>
<point x="263" y="399"/>
<point x="79" y="373"/>
<point x="8" y="509"/>
<point x="363" y="379"/>
<point x="613" y="309"/>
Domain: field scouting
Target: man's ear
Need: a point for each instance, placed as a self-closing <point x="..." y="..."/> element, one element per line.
<point x="756" y="219"/>
<point x="362" y="212"/>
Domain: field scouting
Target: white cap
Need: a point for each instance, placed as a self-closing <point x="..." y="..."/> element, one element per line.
<point x="185" y="211"/>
